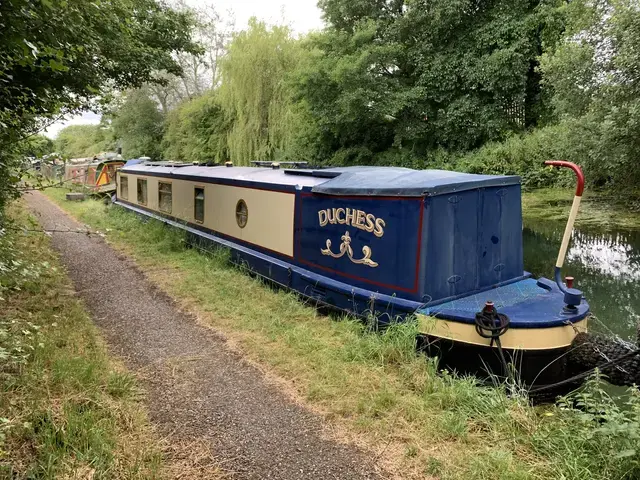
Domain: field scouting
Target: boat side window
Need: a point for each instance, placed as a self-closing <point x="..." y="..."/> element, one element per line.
<point x="142" y="191"/>
<point x="124" y="187"/>
<point x="242" y="213"/>
<point x="164" y="197"/>
<point x="198" y="204"/>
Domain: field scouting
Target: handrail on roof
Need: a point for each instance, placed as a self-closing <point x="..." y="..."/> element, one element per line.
<point x="313" y="173"/>
<point x="168" y="164"/>
<point x="265" y="163"/>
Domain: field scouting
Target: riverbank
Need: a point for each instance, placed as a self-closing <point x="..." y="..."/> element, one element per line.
<point x="598" y="210"/>
<point x="67" y="410"/>
<point x="372" y="388"/>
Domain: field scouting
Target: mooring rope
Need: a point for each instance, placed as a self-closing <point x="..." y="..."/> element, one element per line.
<point x="585" y="374"/>
<point x="491" y="324"/>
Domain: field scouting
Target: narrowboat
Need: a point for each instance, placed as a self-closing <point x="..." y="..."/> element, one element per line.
<point x="386" y="243"/>
<point x="97" y="174"/>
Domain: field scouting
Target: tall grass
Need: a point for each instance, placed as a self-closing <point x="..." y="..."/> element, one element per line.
<point x="372" y="385"/>
<point x="66" y="409"/>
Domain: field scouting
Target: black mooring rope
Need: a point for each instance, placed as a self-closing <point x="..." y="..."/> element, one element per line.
<point x="493" y="325"/>
<point x="583" y="375"/>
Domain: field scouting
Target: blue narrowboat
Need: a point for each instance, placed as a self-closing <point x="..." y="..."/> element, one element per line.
<point x="383" y="242"/>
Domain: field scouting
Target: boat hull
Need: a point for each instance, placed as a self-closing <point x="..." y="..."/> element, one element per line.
<point x="537" y="356"/>
<point x="317" y="288"/>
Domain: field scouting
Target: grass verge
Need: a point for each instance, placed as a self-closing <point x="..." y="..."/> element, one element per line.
<point x="66" y="409"/>
<point x="372" y="387"/>
<point x="599" y="210"/>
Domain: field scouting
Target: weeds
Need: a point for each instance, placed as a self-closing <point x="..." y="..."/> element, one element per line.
<point x="597" y="210"/>
<point x="420" y="421"/>
<point x="66" y="411"/>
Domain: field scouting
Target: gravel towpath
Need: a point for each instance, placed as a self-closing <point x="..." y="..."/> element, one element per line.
<point x="196" y="386"/>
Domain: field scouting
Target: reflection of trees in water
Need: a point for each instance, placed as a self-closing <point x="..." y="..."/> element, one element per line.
<point x="606" y="267"/>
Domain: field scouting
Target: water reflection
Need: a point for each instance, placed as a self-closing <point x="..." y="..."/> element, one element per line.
<point x="606" y="267"/>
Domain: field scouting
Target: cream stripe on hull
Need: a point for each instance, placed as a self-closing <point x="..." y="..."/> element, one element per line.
<point x="513" y="338"/>
<point x="271" y="214"/>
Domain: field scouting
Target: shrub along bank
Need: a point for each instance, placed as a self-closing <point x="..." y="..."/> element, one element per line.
<point x="372" y="386"/>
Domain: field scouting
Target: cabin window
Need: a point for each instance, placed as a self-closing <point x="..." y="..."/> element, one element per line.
<point x="164" y="197"/>
<point x="242" y="213"/>
<point x="198" y="204"/>
<point x="124" y="187"/>
<point x="142" y="191"/>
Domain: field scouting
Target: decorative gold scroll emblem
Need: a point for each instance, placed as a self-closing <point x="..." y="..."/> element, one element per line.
<point x="345" y="247"/>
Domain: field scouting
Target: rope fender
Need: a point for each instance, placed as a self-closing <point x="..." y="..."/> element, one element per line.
<point x="617" y="361"/>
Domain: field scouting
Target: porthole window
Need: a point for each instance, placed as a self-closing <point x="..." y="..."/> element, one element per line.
<point x="242" y="213"/>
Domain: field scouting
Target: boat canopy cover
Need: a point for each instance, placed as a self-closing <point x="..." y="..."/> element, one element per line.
<point x="397" y="181"/>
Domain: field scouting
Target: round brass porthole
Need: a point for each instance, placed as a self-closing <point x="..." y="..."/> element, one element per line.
<point x="242" y="213"/>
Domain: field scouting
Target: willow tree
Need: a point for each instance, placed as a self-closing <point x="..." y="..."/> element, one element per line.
<point x="255" y="93"/>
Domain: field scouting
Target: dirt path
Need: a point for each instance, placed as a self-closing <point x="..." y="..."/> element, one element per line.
<point x="196" y="387"/>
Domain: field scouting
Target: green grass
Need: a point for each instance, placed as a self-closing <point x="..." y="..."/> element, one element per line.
<point x="66" y="409"/>
<point x="372" y="387"/>
<point x="597" y="209"/>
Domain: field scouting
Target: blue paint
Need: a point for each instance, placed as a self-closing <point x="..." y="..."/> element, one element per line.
<point x="445" y="241"/>
<point x="396" y="269"/>
<point x="528" y="303"/>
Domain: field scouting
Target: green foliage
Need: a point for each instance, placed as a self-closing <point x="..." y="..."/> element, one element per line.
<point x="411" y="77"/>
<point x="65" y="409"/>
<point x="138" y="124"/>
<point x="76" y="141"/>
<point x="59" y="56"/>
<point x="591" y="431"/>
<point x="196" y="131"/>
<point x="36" y="146"/>
<point x="254" y="93"/>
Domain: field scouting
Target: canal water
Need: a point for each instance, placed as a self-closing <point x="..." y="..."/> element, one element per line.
<point x="605" y="265"/>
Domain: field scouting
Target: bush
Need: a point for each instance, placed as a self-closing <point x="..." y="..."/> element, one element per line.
<point x="196" y="131"/>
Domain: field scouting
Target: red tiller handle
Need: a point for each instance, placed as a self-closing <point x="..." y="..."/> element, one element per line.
<point x="575" y="168"/>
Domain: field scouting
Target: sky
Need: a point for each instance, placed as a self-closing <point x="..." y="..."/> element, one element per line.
<point x="301" y="15"/>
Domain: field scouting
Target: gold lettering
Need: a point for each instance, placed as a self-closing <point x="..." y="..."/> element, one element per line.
<point x="360" y="220"/>
<point x="331" y="215"/>
<point x="351" y="216"/>
<point x="322" y="217"/>
<point x="370" y="221"/>
<point x="356" y="218"/>
<point x="379" y="230"/>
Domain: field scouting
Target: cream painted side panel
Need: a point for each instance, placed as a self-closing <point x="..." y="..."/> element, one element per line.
<point x="270" y="221"/>
<point x="152" y="192"/>
<point x="271" y="214"/>
<point x="182" y="193"/>
<point x="516" y="338"/>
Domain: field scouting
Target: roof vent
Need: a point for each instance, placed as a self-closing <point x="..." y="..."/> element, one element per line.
<point x="275" y="165"/>
<point x="228" y="164"/>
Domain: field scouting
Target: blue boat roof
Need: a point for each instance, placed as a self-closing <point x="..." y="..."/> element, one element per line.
<point x="393" y="181"/>
<point x="365" y="181"/>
